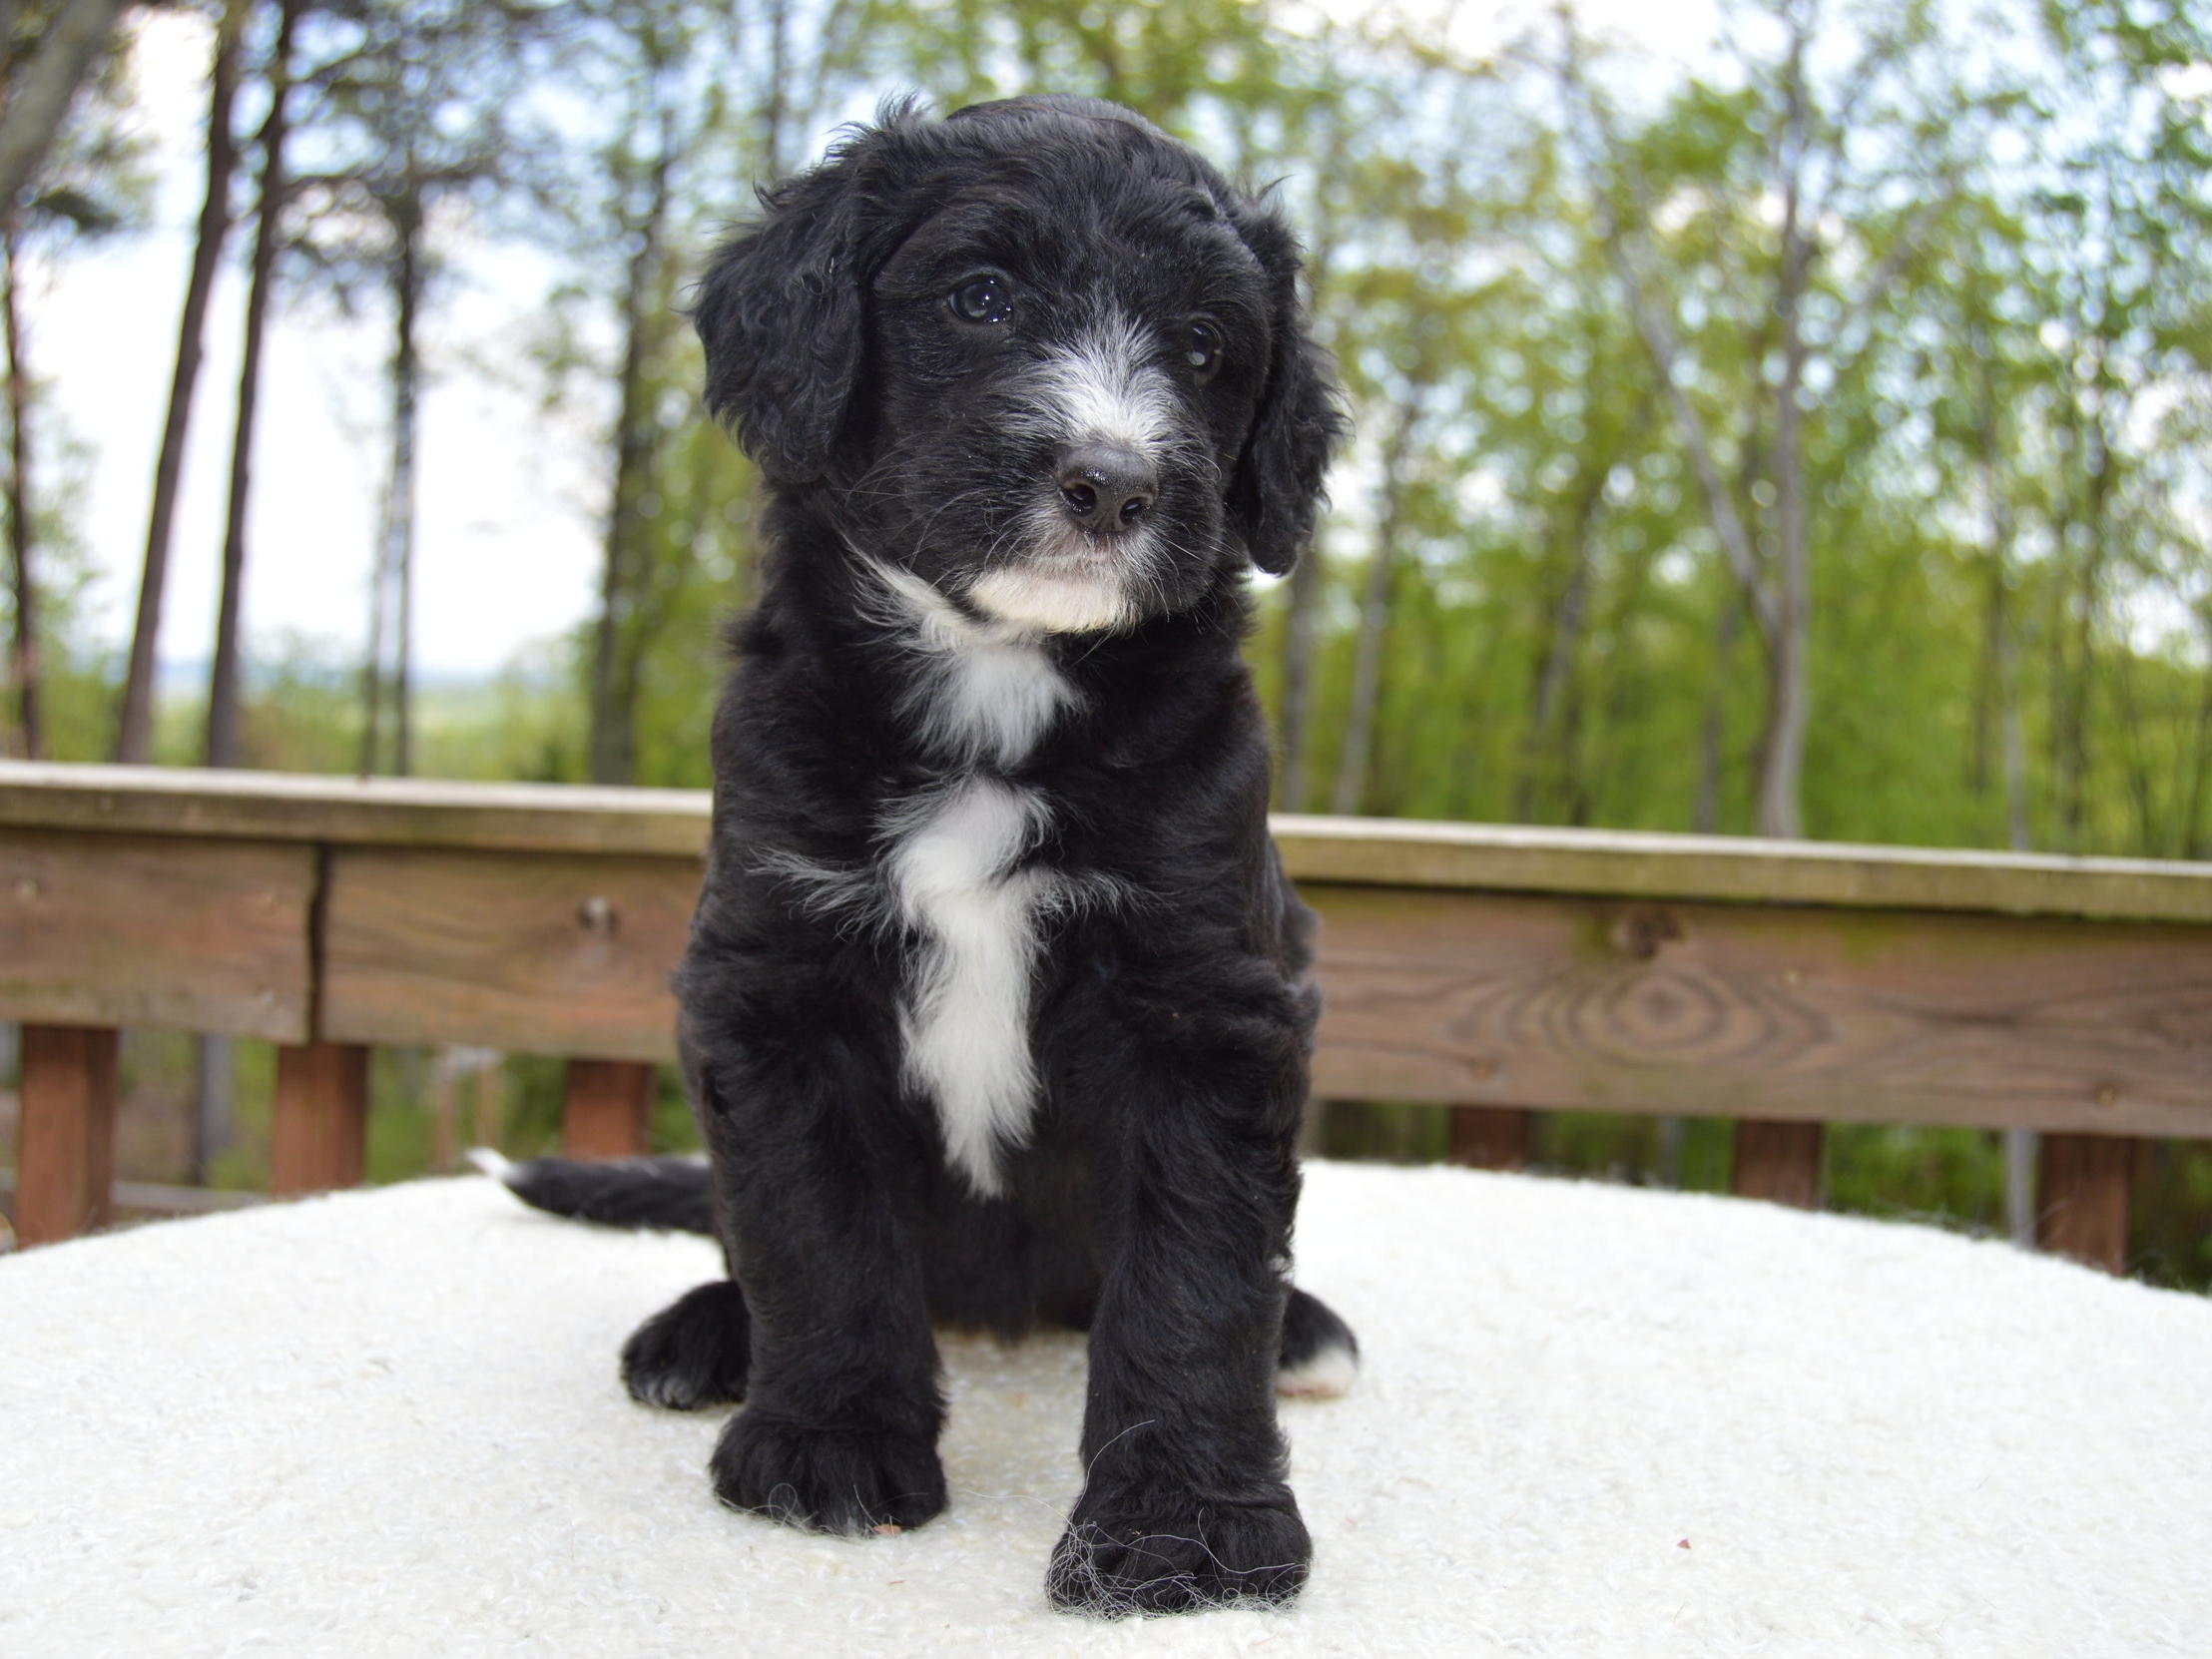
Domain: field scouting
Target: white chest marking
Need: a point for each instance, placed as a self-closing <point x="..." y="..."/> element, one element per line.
<point x="984" y="695"/>
<point x="965" y="1023"/>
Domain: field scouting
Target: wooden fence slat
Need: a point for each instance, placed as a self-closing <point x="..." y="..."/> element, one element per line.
<point x="156" y="930"/>
<point x="1780" y="1162"/>
<point x="65" y="1154"/>
<point x="402" y="811"/>
<point x="1488" y="1137"/>
<point x="529" y="954"/>
<point x="1780" y="1013"/>
<point x="607" y="1109"/>
<point x="319" y="1132"/>
<point x="2082" y="1191"/>
<point x="1391" y="852"/>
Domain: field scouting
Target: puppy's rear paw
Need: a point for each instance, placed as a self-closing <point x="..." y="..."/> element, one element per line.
<point x="1177" y="1552"/>
<point x="692" y="1354"/>
<point x="826" y="1479"/>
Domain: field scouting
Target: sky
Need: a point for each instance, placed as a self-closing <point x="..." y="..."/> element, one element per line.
<point x="510" y="499"/>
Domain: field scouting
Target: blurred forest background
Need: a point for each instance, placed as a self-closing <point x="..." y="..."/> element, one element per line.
<point x="1811" y="435"/>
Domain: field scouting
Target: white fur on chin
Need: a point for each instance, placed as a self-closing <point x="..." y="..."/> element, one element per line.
<point x="1084" y="599"/>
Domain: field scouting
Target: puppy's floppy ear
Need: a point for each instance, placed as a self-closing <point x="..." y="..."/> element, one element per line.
<point x="779" y="313"/>
<point x="1276" y="489"/>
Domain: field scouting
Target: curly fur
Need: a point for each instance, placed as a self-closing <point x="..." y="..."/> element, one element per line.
<point x="996" y="1009"/>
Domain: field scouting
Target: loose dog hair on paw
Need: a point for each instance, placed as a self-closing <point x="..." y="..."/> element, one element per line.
<point x="996" y="1011"/>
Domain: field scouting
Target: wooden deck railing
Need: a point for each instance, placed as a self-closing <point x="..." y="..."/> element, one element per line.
<point x="1493" y="970"/>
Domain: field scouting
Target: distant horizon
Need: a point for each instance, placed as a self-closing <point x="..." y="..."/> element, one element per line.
<point x="189" y="678"/>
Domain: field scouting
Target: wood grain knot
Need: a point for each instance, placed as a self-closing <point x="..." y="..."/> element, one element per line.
<point x="1643" y="930"/>
<point x="26" y="890"/>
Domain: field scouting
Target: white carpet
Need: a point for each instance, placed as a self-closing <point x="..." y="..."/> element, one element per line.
<point x="1593" y="1422"/>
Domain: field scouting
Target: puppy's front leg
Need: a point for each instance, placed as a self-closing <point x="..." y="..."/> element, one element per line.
<point x="842" y="1410"/>
<point x="1185" y="1503"/>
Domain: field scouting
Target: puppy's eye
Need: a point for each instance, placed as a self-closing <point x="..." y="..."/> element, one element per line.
<point x="982" y="299"/>
<point x="1202" y="348"/>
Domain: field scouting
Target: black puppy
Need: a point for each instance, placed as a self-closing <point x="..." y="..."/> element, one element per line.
<point x="995" y="1010"/>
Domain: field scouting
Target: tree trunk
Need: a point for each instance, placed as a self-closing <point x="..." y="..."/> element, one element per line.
<point x="224" y="745"/>
<point x="2022" y="1146"/>
<point x="2071" y="723"/>
<point x="1375" y="618"/>
<point x="1782" y="768"/>
<point x="1762" y="597"/>
<point x="2005" y="678"/>
<point x="1712" y="739"/>
<point x="1562" y="639"/>
<point x="392" y="578"/>
<point x="67" y="50"/>
<point x="1300" y="622"/>
<point x="372" y="665"/>
<point x="23" y="662"/>
<point x="614" y="701"/>
<point x="2200" y="768"/>
<point x="135" y="725"/>
<point x="779" y="80"/>
<point x="403" y="417"/>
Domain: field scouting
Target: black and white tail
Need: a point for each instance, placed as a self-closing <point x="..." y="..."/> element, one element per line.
<point x="674" y="1194"/>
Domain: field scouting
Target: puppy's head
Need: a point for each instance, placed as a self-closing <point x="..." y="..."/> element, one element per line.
<point x="1040" y="354"/>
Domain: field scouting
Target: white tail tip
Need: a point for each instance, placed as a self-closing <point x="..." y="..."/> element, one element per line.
<point x="488" y="1160"/>
<point x="1326" y="1376"/>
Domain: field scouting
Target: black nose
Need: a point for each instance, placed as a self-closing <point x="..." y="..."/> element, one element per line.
<point x="1107" y="488"/>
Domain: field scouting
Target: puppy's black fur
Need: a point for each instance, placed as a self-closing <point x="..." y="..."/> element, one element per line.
<point x="996" y="1011"/>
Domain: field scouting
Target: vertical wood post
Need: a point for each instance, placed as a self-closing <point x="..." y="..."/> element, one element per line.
<point x="65" y="1149"/>
<point x="319" y="1133"/>
<point x="1488" y="1137"/>
<point x="607" y="1109"/>
<point x="2082" y="1199"/>
<point x="1777" y="1161"/>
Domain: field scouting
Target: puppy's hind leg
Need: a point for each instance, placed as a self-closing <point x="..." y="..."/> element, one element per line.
<point x="1319" y="1355"/>
<point x="692" y="1354"/>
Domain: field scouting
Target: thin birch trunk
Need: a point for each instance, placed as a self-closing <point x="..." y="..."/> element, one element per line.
<point x="1299" y="628"/>
<point x="372" y="665"/>
<point x="2200" y="767"/>
<point x="614" y="711"/>
<point x="1713" y="734"/>
<point x="1308" y="577"/>
<point x="1374" y="617"/>
<point x="1782" y="773"/>
<point x="2020" y="1145"/>
<point x="135" y="724"/>
<point x="1562" y="640"/>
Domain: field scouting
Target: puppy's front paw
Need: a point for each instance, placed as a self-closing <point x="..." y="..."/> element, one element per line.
<point x="1173" y="1550"/>
<point x="692" y="1354"/>
<point x="826" y="1479"/>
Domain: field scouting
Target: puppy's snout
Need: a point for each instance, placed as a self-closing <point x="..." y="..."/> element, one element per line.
<point x="1107" y="489"/>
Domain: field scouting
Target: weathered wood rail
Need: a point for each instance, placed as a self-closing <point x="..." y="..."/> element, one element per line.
<point x="1496" y="971"/>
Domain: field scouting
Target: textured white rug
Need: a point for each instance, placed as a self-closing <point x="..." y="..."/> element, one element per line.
<point x="1593" y="1422"/>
